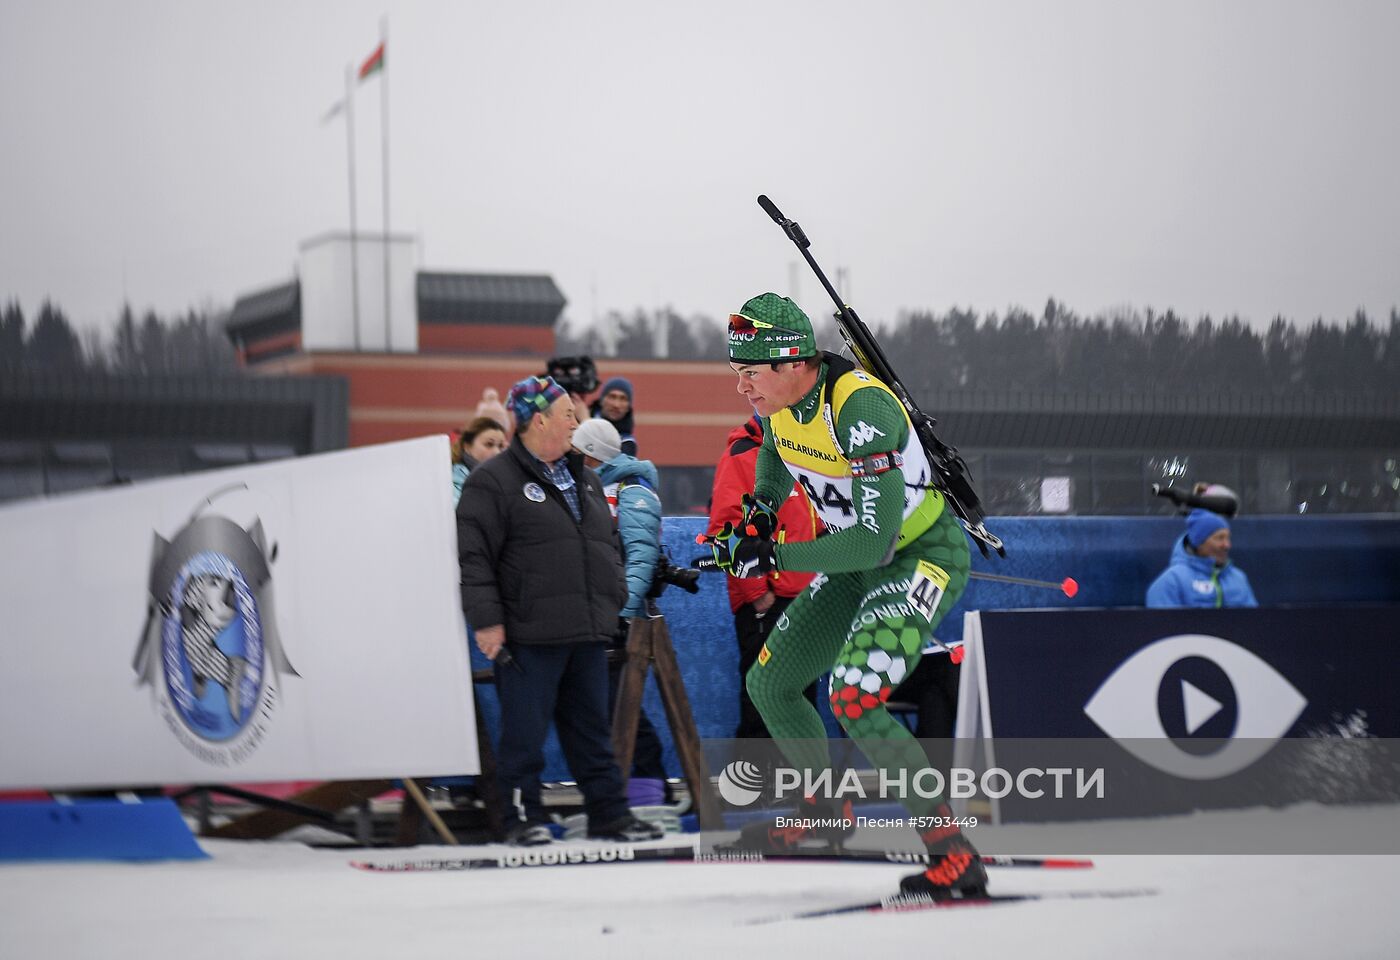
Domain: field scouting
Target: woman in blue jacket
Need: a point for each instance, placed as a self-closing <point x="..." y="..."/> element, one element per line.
<point x="478" y="442"/>
<point x="630" y="486"/>
<point x="1200" y="573"/>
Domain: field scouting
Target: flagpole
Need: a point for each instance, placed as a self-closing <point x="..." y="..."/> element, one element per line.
<point x="350" y="159"/>
<point x="384" y="146"/>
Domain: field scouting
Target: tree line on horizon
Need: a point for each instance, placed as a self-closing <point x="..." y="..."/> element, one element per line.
<point x="192" y="343"/>
<point x="1057" y="351"/>
<point x="1060" y="351"/>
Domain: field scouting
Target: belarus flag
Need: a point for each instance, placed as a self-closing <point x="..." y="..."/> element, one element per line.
<point x="374" y="64"/>
<point x="782" y="352"/>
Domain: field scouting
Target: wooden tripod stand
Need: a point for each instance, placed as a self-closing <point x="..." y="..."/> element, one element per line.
<point x="648" y="644"/>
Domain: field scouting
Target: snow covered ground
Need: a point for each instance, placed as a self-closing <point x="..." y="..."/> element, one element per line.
<point x="282" y="899"/>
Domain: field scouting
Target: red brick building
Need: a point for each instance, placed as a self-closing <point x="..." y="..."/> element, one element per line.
<point x="476" y="331"/>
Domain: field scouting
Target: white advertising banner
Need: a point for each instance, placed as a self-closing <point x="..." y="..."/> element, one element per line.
<point x="282" y="621"/>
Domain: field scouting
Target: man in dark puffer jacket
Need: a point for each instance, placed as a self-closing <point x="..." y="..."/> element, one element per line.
<point x="542" y="586"/>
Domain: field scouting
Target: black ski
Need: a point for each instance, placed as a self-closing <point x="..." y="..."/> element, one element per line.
<point x="908" y="904"/>
<point x="560" y="855"/>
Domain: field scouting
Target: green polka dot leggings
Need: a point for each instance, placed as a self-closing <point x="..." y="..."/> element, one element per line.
<point x="868" y="629"/>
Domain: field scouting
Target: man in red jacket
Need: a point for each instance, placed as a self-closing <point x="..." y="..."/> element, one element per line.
<point x="757" y="603"/>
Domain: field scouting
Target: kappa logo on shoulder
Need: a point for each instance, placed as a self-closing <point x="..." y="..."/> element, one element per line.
<point x="863" y="432"/>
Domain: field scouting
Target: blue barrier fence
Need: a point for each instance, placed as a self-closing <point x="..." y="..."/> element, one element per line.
<point x="1289" y="560"/>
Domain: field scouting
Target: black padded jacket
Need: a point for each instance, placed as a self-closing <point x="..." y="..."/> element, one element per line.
<point x="528" y="564"/>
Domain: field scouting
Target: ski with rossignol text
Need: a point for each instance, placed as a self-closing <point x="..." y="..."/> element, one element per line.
<point x="556" y="855"/>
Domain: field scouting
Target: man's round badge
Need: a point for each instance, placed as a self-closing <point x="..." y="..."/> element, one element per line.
<point x="534" y="492"/>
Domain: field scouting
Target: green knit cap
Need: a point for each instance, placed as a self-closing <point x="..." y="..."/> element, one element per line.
<point x="769" y="329"/>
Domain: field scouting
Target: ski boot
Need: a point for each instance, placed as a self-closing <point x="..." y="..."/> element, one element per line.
<point x="528" y="833"/>
<point x="955" y="868"/>
<point x="819" y="825"/>
<point x="627" y="828"/>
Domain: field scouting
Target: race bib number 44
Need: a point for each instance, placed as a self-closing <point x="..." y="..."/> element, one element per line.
<point x="926" y="588"/>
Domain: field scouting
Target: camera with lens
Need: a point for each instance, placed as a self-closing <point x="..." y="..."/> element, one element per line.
<point x="1215" y="497"/>
<point x="574" y="374"/>
<point x="668" y="574"/>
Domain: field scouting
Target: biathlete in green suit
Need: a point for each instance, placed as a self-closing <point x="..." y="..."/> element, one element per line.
<point x="893" y="564"/>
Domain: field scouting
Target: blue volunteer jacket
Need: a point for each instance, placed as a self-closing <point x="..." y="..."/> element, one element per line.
<point x="1192" y="581"/>
<point x="630" y="486"/>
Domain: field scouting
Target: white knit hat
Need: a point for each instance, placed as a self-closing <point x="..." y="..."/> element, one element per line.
<point x="598" y="439"/>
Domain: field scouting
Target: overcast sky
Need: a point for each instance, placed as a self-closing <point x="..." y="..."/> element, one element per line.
<point x="1212" y="157"/>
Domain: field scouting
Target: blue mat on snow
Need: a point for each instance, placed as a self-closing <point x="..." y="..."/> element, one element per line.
<point x="95" y="830"/>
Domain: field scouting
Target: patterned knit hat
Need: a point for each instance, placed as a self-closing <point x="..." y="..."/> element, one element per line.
<point x="531" y="396"/>
<point x="770" y="328"/>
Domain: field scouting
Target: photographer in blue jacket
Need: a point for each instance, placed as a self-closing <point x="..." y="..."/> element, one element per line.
<point x="1200" y="573"/>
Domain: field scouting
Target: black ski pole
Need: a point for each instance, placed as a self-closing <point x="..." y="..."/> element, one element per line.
<point x="705" y="563"/>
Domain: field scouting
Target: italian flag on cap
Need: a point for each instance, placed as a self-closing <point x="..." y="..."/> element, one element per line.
<point x="774" y="352"/>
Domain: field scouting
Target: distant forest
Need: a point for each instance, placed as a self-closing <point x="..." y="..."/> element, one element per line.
<point x="1058" y="351"/>
<point x="1063" y="352"/>
<point x="193" y="343"/>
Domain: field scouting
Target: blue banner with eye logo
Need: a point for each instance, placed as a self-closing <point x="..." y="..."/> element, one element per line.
<point x="1257" y="673"/>
<point x="1191" y="709"/>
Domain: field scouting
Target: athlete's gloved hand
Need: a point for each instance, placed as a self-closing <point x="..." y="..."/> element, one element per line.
<point x="760" y="518"/>
<point x="738" y="555"/>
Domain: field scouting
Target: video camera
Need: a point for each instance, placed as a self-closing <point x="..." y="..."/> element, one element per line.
<point x="1215" y="497"/>
<point x="668" y="574"/>
<point x="575" y="374"/>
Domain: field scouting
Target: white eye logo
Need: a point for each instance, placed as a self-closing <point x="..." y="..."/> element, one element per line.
<point x="1195" y="706"/>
